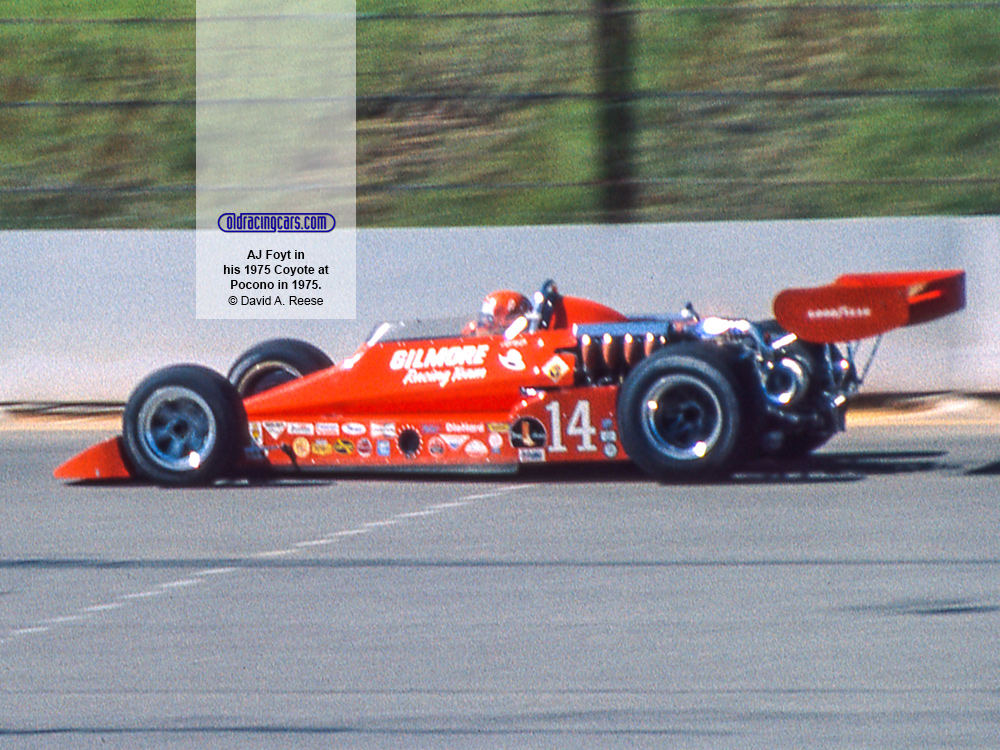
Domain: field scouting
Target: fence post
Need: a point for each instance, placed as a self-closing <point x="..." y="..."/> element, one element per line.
<point x="616" y="127"/>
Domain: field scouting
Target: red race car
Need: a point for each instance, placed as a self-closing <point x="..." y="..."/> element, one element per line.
<point x="552" y="379"/>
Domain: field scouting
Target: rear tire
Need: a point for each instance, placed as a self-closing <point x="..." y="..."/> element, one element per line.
<point x="275" y="362"/>
<point x="679" y="414"/>
<point x="184" y="425"/>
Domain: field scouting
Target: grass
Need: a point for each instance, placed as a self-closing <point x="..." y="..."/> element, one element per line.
<point x="120" y="161"/>
<point x="472" y="150"/>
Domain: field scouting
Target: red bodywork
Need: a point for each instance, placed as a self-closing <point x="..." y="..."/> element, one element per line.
<point x="439" y="402"/>
<point x="464" y="400"/>
<point x="489" y="402"/>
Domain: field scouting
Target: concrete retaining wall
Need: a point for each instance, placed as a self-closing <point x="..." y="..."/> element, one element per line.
<point x="86" y="314"/>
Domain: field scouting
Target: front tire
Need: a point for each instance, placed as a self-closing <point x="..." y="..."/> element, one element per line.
<point x="679" y="414"/>
<point x="183" y="425"/>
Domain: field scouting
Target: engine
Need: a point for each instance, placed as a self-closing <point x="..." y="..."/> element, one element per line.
<point x="801" y="388"/>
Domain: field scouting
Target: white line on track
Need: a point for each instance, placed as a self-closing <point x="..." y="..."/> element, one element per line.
<point x="181" y="584"/>
<point x="87" y="613"/>
<point x="418" y="513"/>
<point x="315" y="543"/>
<point x="272" y="554"/>
<point x="31" y="630"/>
<point x="214" y="572"/>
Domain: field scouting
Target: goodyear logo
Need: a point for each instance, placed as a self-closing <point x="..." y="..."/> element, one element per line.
<point x="839" y="313"/>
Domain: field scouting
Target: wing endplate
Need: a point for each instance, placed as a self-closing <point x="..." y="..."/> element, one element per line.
<point x="858" y="306"/>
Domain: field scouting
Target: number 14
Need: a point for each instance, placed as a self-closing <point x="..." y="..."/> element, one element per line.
<point x="579" y="426"/>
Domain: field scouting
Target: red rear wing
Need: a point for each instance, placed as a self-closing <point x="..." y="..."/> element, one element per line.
<point x="860" y="305"/>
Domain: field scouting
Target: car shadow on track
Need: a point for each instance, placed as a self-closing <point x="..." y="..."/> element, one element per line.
<point x="844" y="466"/>
<point x="986" y="470"/>
<point x="819" y="468"/>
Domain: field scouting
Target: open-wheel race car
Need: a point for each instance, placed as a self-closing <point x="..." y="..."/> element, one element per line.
<point x="551" y="379"/>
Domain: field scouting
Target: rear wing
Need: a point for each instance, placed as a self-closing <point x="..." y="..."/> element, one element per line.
<point x="860" y="305"/>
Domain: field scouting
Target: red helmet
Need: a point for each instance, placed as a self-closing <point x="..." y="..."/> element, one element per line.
<point x="501" y="308"/>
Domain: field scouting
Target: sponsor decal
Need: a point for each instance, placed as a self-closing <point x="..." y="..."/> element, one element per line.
<point x="498" y="427"/>
<point x="446" y="356"/>
<point x="496" y="442"/>
<point x="322" y="447"/>
<point x="444" y="365"/>
<point x="555" y="368"/>
<point x="274" y="429"/>
<point x="383" y="448"/>
<point x="300" y="447"/>
<point x="364" y="447"/>
<point x="512" y="360"/>
<point x="839" y="313"/>
<point x="527" y="432"/>
<point x="300" y="428"/>
<point x="607" y="424"/>
<point x="476" y="448"/>
<point x="353" y="429"/>
<point x="436" y="447"/>
<point x="610" y="450"/>
<point x="471" y="427"/>
<point x="256" y="434"/>
<point x="327" y="428"/>
<point x="343" y="447"/>
<point x="531" y="455"/>
<point x="430" y="429"/>
<point x="609" y="436"/>
<point x="454" y="441"/>
<point x="383" y="429"/>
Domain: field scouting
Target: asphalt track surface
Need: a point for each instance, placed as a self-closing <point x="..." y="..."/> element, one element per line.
<point x="852" y="601"/>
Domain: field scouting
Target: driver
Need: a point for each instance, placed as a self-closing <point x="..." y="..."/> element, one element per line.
<point x="499" y="310"/>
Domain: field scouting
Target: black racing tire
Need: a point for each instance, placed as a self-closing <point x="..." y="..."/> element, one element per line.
<point x="273" y="363"/>
<point x="680" y="414"/>
<point x="184" y="425"/>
